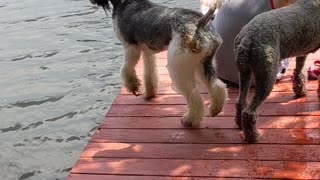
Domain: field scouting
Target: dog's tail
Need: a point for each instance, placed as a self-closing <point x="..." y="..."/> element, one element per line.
<point x="213" y="6"/>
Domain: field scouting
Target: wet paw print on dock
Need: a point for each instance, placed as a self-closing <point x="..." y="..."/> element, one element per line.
<point x="178" y="135"/>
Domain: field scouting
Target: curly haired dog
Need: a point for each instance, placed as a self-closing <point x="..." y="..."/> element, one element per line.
<point x="147" y="28"/>
<point x="292" y="31"/>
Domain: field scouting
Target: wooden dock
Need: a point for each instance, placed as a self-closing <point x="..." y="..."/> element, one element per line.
<point x="144" y="140"/>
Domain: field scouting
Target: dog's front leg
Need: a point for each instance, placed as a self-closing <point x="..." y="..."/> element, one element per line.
<point x="150" y="75"/>
<point x="300" y="77"/>
<point x="128" y="72"/>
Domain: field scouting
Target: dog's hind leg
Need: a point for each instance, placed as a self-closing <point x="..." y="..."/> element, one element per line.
<point x="184" y="80"/>
<point x="150" y="75"/>
<point x="245" y="75"/>
<point x="128" y="72"/>
<point x="300" y="77"/>
<point x="265" y="79"/>
<point x="216" y="88"/>
<point x="181" y="66"/>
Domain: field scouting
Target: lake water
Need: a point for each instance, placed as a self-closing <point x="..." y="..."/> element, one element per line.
<point x="59" y="73"/>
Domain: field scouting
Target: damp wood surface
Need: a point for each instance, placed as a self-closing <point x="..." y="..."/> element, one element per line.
<point x="143" y="139"/>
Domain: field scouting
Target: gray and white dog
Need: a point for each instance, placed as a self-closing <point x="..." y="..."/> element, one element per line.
<point x="147" y="28"/>
<point x="292" y="31"/>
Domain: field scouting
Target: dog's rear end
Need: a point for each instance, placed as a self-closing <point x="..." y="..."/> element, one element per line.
<point x="192" y="51"/>
<point x="260" y="46"/>
<point x="145" y="28"/>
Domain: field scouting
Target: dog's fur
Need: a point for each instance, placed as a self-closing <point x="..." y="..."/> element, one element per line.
<point x="146" y="28"/>
<point x="292" y="31"/>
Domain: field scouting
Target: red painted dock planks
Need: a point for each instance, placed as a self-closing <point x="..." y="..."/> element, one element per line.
<point x="267" y="109"/>
<point x="144" y="140"/>
<point x="267" y="152"/>
<point x="201" y="168"/>
<point x="205" y="136"/>
<point x="265" y="122"/>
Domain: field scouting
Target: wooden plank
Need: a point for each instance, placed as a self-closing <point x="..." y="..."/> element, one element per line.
<point x="167" y="88"/>
<point x="162" y="61"/>
<point x="263" y="152"/>
<point x="200" y="168"/>
<point x="165" y="78"/>
<point x="267" y="109"/>
<point x="113" y="177"/>
<point x="175" y="99"/>
<point x="205" y="136"/>
<point x="264" y="122"/>
<point x="163" y="70"/>
<point x="141" y="177"/>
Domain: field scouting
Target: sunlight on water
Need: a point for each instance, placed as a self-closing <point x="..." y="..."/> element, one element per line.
<point x="59" y="68"/>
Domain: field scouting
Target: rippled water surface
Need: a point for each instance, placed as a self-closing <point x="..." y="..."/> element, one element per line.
<point x="59" y="73"/>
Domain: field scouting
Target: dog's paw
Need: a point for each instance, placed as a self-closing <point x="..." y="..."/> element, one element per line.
<point x="299" y="84"/>
<point x="251" y="135"/>
<point x="239" y="109"/>
<point x="133" y="86"/>
<point x="187" y="121"/>
<point x="248" y="124"/>
<point x="299" y="90"/>
<point x="135" y="90"/>
<point x="214" y="110"/>
<point x="238" y="117"/>
<point x="237" y="120"/>
<point x="150" y="93"/>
